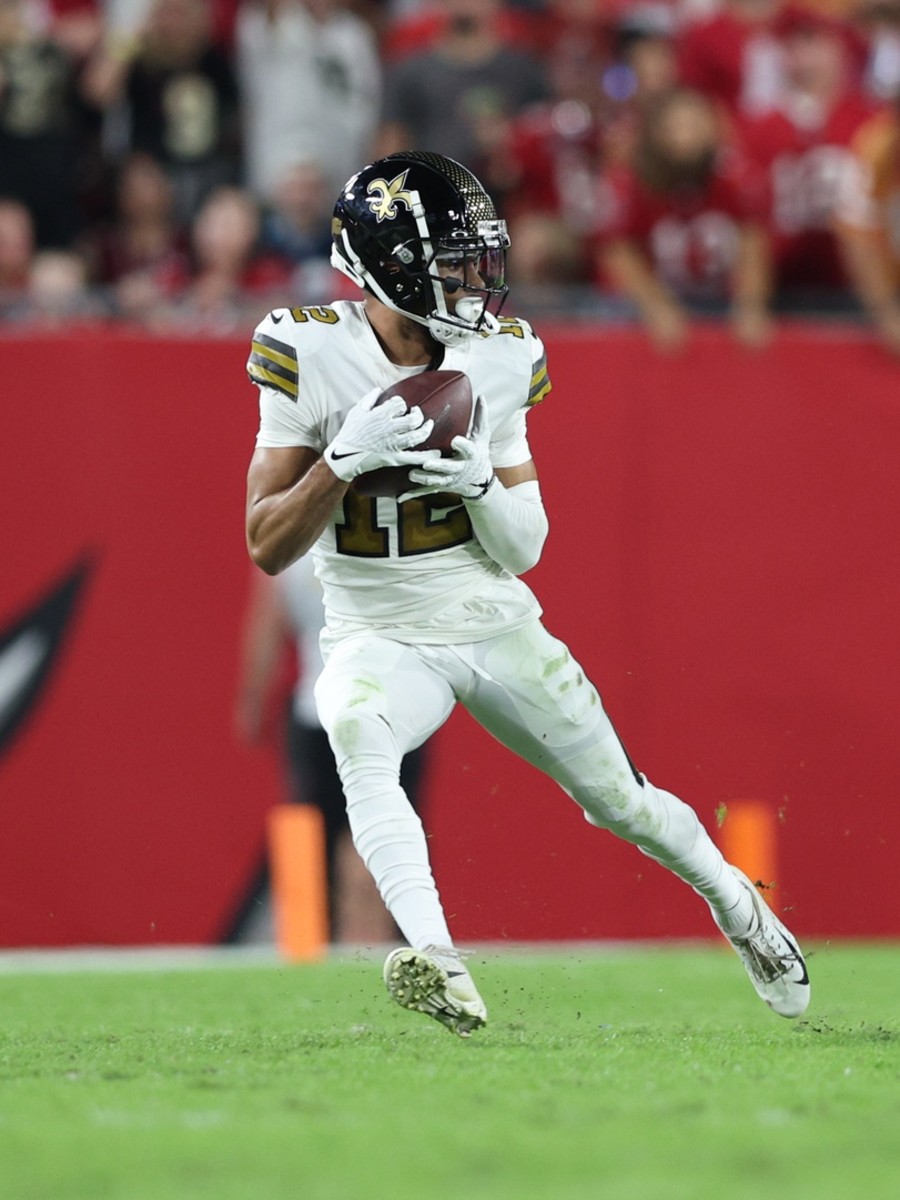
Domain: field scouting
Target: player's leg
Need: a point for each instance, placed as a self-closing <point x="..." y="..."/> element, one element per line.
<point x="360" y="915"/>
<point x="528" y="690"/>
<point x="378" y="699"/>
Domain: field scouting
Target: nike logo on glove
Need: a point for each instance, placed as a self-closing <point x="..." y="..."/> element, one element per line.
<point x="334" y="456"/>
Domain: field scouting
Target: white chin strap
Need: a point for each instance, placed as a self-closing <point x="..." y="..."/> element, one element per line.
<point x="469" y="309"/>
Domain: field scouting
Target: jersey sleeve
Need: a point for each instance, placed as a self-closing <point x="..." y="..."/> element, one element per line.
<point x="509" y="441"/>
<point x="273" y="361"/>
<point x="509" y="445"/>
<point x="540" y="384"/>
<point x="286" y="418"/>
<point x="281" y="425"/>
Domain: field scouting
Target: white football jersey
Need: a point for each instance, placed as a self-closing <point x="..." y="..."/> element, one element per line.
<point x="413" y="570"/>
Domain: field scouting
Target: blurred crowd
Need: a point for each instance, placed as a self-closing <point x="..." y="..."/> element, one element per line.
<point x="174" y="163"/>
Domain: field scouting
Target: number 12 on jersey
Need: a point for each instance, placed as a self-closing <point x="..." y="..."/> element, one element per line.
<point x="424" y="525"/>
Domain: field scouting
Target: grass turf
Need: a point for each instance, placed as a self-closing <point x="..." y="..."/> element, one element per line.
<point x="627" y="1074"/>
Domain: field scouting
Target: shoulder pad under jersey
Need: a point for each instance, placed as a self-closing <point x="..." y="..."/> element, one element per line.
<point x="280" y="339"/>
<point x="521" y="331"/>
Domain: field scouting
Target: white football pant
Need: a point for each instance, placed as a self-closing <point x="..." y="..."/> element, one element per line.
<point x="378" y="699"/>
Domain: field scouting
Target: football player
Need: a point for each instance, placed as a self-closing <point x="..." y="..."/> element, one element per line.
<point x="424" y="604"/>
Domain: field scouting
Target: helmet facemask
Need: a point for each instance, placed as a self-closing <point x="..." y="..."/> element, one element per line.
<point x="476" y="267"/>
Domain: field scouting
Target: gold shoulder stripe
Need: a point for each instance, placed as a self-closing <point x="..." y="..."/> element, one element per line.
<point x="260" y="348"/>
<point x="274" y="368"/>
<point x="271" y="343"/>
<point x="274" y="364"/>
<point x="263" y="360"/>
<point x="537" y="397"/>
<point x="540" y="383"/>
<point x="268" y="376"/>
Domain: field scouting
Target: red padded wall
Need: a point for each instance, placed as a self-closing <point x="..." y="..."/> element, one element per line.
<point x="723" y="559"/>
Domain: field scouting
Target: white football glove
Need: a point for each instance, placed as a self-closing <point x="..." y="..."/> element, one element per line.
<point x="468" y="473"/>
<point x="378" y="437"/>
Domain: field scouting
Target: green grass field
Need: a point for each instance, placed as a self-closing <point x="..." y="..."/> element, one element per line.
<point x="628" y="1074"/>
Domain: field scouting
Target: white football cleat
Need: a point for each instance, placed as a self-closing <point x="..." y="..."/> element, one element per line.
<point x="434" y="981"/>
<point x="771" y="957"/>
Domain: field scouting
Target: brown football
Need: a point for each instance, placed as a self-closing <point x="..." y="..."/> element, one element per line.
<point x="443" y="396"/>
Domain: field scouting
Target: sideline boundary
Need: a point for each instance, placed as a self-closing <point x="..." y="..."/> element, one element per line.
<point x="192" y="958"/>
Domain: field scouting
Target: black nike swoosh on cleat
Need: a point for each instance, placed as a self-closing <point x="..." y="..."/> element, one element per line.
<point x="454" y="974"/>
<point x="277" y="320"/>
<point x="800" y="959"/>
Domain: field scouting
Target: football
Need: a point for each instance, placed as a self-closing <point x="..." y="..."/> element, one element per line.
<point x="443" y="396"/>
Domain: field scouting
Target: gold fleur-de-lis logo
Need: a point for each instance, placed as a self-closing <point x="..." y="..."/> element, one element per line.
<point x="383" y="197"/>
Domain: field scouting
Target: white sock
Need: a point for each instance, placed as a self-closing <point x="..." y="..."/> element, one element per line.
<point x="391" y="842"/>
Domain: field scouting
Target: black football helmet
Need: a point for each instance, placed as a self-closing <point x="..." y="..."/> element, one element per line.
<point x="415" y="227"/>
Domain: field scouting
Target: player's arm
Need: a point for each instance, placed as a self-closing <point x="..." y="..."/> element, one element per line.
<point x="511" y="477"/>
<point x="292" y="491"/>
<point x="291" y="494"/>
<point x="869" y="270"/>
<point x="858" y="226"/>
<point x="629" y="270"/>
<point x="509" y="518"/>
<point x="752" y="286"/>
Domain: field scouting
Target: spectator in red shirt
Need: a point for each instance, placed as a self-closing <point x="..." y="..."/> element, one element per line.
<point x="549" y="167"/>
<point x="735" y="56"/>
<point x="561" y="27"/>
<point x="804" y="147"/>
<point x="557" y="150"/>
<point x="686" y="229"/>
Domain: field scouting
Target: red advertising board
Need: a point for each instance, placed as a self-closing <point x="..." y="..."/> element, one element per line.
<point x="723" y="559"/>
